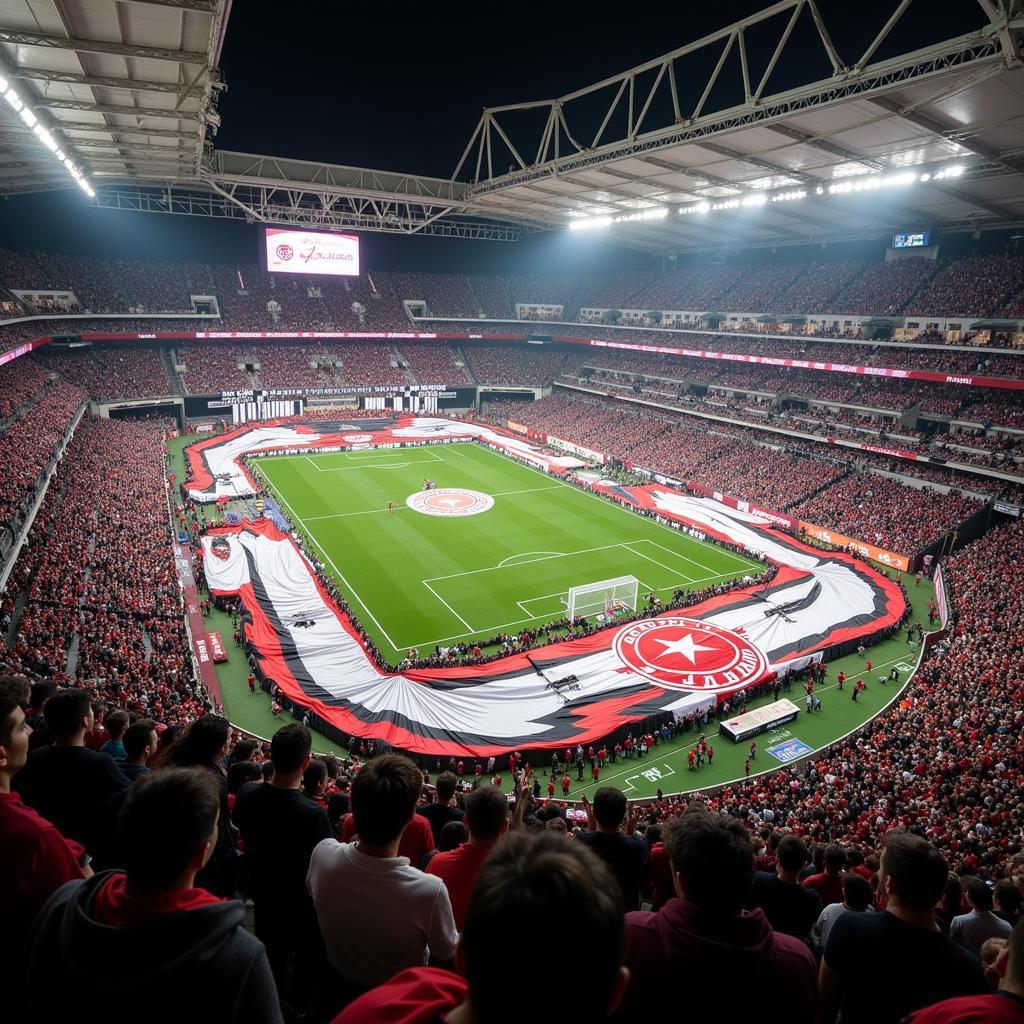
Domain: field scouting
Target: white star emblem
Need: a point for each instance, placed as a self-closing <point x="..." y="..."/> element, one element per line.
<point x="684" y="646"/>
<point x="449" y="501"/>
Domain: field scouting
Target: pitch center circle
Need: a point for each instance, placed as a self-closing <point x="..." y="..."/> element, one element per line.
<point x="450" y="501"/>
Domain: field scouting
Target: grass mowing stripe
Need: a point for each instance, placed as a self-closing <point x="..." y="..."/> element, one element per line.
<point x="385" y="559"/>
<point x="338" y="572"/>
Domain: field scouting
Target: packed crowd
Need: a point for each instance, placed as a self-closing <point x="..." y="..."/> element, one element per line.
<point x="290" y="364"/>
<point x="213" y="366"/>
<point x="29" y="443"/>
<point x="896" y="857"/>
<point x="101" y="602"/>
<point x="19" y="382"/>
<point x="970" y="286"/>
<point x="249" y="298"/>
<point x="803" y="478"/>
<point x="887" y="513"/>
<point x="434" y="363"/>
<point x="110" y="371"/>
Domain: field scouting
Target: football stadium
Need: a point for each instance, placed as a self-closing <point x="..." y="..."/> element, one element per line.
<point x="426" y="531"/>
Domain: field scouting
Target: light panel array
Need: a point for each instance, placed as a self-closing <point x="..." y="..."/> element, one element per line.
<point x="29" y="119"/>
<point x="864" y="183"/>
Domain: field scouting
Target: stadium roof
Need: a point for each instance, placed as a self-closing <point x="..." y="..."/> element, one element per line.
<point x="707" y="128"/>
<point x="128" y="88"/>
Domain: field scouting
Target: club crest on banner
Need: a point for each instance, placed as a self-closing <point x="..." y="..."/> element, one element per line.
<point x="450" y="501"/>
<point x="220" y="547"/>
<point x="690" y="655"/>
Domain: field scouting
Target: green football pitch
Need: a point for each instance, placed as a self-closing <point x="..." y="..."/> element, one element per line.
<point x="666" y="767"/>
<point x="420" y="580"/>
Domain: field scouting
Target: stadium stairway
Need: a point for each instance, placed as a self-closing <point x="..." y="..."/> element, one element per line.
<point x="800" y="499"/>
<point x="168" y="359"/>
<point x="467" y="370"/>
<point x="25" y="407"/>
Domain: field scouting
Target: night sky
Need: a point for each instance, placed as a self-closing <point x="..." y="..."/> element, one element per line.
<point x="402" y="87"/>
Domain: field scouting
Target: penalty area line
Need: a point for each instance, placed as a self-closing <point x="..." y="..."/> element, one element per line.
<point x="447" y="605"/>
<point x="338" y="572"/>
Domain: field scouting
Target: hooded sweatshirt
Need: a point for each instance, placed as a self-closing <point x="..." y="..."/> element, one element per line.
<point x="713" y="960"/>
<point x="186" y="958"/>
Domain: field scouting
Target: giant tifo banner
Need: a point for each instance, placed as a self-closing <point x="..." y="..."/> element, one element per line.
<point x="215" y="469"/>
<point x="675" y="663"/>
<point x="876" y="554"/>
<point x="776" y="518"/>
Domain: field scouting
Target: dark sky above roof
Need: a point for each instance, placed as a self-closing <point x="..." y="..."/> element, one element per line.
<point x="401" y="87"/>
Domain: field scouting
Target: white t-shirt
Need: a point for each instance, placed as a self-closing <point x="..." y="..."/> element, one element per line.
<point x="378" y="916"/>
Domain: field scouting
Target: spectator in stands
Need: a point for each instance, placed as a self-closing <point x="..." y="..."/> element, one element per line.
<point x="443" y="807"/>
<point x="203" y="745"/>
<point x="280" y="826"/>
<point x="148" y="936"/>
<point x="908" y="960"/>
<point x="1007" y="900"/>
<point x="42" y="690"/>
<point x="407" y="913"/>
<point x="828" y="884"/>
<point x="625" y="853"/>
<point x="487" y="821"/>
<point x="791" y="908"/>
<point x="706" y="936"/>
<point x="857" y="899"/>
<point x="530" y="886"/>
<point x="1004" y="1006"/>
<point x="67" y="783"/>
<point x="970" y="930"/>
<point x="140" y="743"/>
<point x="116" y="724"/>
<point x="35" y="859"/>
<point x="416" y="842"/>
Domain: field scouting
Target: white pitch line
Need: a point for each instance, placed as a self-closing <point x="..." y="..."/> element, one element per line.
<point x="341" y="576"/>
<point x="447" y="605"/>
<point x="750" y="563"/>
<point x="675" y="572"/>
<point x="546" y="558"/>
<point x="370" y="511"/>
<point x="501" y="564"/>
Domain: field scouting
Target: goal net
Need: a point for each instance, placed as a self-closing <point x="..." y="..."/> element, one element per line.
<point x="605" y="599"/>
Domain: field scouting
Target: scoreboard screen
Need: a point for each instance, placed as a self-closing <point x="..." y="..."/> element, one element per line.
<point x="311" y="252"/>
<point x="911" y="239"/>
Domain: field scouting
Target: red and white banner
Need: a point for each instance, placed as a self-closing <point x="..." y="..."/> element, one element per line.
<point x="215" y="470"/>
<point x="678" y="662"/>
<point x="776" y="518"/>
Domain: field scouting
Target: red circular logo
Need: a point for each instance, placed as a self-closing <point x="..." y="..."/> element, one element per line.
<point x="450" y="501"/>
<point x="284" y="252"/>
<point x="690" y="655"/>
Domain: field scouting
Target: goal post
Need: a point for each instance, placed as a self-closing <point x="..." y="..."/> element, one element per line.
<point x="606" y="598"/>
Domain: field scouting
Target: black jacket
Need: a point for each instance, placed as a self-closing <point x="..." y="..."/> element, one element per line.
<point x="195" y="965"/>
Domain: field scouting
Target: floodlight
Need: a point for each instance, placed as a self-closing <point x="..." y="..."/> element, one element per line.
<point x="28" y="117"/>
<point x="12" y="97"/>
